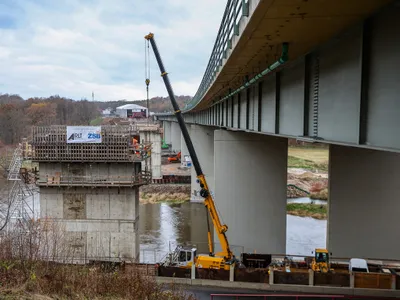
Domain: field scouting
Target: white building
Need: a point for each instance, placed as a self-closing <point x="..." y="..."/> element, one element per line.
<point x="107" y="112"/>
<point x="131" y="111"/>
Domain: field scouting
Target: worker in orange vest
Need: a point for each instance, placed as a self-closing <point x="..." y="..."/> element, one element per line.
<point x="136" y="147"/>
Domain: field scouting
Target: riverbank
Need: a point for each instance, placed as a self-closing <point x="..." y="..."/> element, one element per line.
<point x="174" y="193"/>
<point x="316" y="211"/>
<point x="300" y="184"/>
<point x="180" y="193"/>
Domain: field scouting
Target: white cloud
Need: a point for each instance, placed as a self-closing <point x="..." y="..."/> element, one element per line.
<point x="71" y="47"/>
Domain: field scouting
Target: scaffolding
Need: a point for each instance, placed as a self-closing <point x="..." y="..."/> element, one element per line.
<point x="49" y="143"/>
<point x="15" y="165"/>
<point x="19" y="208"/>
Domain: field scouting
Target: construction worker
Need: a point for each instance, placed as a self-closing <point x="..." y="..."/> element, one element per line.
<point x="136" y="147"/>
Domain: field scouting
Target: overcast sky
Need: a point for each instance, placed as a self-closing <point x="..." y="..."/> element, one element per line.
<point x="74" y="47"/>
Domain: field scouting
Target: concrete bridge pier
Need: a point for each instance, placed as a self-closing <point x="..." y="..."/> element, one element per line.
<point x="250" y="189"/>
<point x="364" y="203"/>
<point x="175" y="137"/>
<point x="203" y="142"/>
<point x="167" y="132"/>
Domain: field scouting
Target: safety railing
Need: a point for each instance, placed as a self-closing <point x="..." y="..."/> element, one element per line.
<point x="94" y="180"/>
<point x="234" y="11"/>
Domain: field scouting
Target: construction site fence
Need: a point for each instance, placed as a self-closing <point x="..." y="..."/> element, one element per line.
<point x="297" y="261"/>
<point x="178" y="179"/>
<point x="306" y="278"/>
<point x="94" y="180"/>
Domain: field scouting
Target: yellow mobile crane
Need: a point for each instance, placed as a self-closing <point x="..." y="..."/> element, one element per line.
<point x="186" y="257"/>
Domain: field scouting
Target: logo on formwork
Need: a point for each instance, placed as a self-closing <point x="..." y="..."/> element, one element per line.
<point x="75" y="136"/>
<point x="83" y="134"/>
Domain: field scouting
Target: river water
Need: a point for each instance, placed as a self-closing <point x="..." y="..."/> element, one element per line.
<point x="163" y="226"/>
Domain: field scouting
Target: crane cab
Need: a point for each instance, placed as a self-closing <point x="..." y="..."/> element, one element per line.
<point x="186" y="256"/>
<point x="181" y="257"/>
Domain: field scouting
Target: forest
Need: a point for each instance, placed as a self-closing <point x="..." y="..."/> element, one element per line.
<point x="17" y="115"/>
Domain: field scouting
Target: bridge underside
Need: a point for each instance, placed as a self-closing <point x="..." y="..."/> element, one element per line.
<point x="344" y="91"/>
<point x="303" y="24"/>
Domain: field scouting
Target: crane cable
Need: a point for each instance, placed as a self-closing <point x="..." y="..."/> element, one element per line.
<point x="147" y="73"/>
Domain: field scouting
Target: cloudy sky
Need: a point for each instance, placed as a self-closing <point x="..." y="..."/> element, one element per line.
<point x="74" y="47"/>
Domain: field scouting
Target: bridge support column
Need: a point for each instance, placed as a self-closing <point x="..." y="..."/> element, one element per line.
<point x="175" y="137"/>
<point x="363" y="203"/>
<point x="250" y="189"/>
<point x="167" y="132"/>
<point x="203" y="142"/>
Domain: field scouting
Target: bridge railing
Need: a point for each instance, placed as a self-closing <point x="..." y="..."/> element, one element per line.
<point x="234" y="11"/>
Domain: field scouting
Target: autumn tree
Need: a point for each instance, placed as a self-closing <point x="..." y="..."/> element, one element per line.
<point x="42" y="113"/>
<point x="12" y="123"/>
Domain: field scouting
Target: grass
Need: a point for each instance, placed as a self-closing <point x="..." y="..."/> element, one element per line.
<point x="315" y="211"/>
<point x="96" y="122"/>
<point x="316" y="155"/>
<point x="308" y="158"/>
<point x="28" y="270"/>
<point x="295" y="162"/>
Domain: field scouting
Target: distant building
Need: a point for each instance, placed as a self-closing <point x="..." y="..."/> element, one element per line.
<point x="131" y="111"/>
<point x="107" y="112"/>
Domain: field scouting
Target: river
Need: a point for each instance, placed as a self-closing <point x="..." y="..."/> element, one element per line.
<point x="163" y="226"/>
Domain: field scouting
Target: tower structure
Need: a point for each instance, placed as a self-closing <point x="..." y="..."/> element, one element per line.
<point x="89" y="179"/>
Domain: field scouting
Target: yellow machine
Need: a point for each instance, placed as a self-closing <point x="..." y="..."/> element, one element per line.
<point x="186" y="257"/>
<point x="320" y="262"/>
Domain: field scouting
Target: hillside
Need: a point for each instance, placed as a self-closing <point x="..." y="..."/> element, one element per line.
<point x="18" y="115"/>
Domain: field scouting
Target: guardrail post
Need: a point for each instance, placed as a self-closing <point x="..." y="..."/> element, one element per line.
<point x="311" y="277"/>
<point x="236" y="29"/>
<point x="245" y="8"/>
<point x="352" y="280"/>
<point x="393" y="285"/>
<point x="193" y="271"/>
<point x="232" y="272"/>
<point x="271" y="275"/>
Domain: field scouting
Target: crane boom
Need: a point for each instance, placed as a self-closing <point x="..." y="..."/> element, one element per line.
<point x="204" y="192"/>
